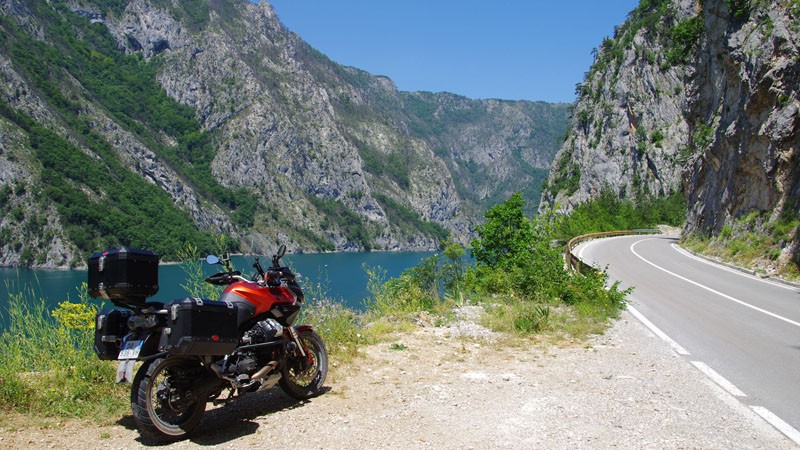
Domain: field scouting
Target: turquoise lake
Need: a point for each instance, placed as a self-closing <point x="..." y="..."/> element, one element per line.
<point x="340" y="275"/>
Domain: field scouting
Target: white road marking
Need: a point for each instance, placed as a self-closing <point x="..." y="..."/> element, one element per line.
<point x="688" y="254"/>
<point x="657" y="331"/>
<point x="584" y="247"/>
<point x="725" y="296"/>
<point x="778" y="423"/>
<point x="719" y="379"/>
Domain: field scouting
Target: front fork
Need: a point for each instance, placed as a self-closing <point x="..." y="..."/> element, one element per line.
<point x="296" y="339"/>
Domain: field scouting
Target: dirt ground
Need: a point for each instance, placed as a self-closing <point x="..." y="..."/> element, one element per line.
<point x="461" y="386"/>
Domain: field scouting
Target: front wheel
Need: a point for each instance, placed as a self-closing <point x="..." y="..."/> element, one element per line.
<point x="302" y="376"/>
<point x="164" y="406"/>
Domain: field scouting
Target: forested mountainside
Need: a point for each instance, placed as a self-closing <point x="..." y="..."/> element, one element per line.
<point x="157" y="123"/>
<point x="698" y="97"/>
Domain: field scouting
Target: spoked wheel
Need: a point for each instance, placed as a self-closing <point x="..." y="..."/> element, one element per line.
<point x="164" y="406"/>
<point x="302" y="376"/>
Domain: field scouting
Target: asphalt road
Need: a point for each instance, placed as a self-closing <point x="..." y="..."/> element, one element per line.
<point x="742" y="331"/>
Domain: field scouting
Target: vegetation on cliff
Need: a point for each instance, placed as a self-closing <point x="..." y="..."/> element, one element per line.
<point x="100" y="201"/>
<point x="754" y="242"/>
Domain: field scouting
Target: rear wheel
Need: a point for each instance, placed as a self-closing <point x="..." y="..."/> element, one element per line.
<point x="302" y="376"/>
<point x="164" y="406"/>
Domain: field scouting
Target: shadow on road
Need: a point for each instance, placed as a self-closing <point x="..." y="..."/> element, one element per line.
<point x="229" y="422"/>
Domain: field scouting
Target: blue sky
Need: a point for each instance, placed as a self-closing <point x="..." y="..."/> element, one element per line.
<point x="508" y="49"/>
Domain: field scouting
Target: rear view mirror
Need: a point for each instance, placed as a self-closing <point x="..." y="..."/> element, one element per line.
<point x="212" y="259"/>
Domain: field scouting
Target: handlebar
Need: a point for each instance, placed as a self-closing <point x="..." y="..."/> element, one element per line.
<point x="259" y="269"/>
<point x="225" y="278"/>
<point x="273" y="277"/>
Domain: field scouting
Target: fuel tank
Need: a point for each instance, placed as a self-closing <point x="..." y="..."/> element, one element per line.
<point x="253" y="300"/>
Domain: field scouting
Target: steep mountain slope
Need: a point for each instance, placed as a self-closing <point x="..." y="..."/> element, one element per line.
<point x="628" y="131"/>
<point x="493" y="148"/>
<point x="239" y="128"/>
<point x="698" y="97"/>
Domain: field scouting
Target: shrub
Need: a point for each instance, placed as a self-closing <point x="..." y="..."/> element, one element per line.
<point x="609" y="212"/>
<point x="523" y="273"/>
<point x="339" y="326"/>
<point x="752" y="241"/>
<point x="683" y="40"/>
<point x="398" y="296"/>
<point x="518" y="317"/>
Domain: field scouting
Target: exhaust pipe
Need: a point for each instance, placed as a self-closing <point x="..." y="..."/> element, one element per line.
<point x="257" y="377"/>
<point x="264" y="371"/>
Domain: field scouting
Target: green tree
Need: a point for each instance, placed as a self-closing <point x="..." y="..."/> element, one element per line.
<point x="515" y="254"/>
<point x="506" y="236"/>
<point x="454" y="266"/>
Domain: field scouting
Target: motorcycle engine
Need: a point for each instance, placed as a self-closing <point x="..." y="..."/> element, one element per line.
<point x="263" y="331"/>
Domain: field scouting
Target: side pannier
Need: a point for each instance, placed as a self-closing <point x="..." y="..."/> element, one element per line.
<point x="110" y="327"/>
<point x="200" y="327"/>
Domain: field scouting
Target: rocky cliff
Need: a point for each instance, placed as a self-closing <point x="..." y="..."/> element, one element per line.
<point x="628" y="131"/>
<point x="744" y="97"/>
<point x="698" y="97"/>
<point x="329" y="157"/>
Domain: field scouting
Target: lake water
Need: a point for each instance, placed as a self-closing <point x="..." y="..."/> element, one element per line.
<point x="340" y="275"/>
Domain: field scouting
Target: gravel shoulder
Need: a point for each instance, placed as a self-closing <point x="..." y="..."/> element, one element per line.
<point x="461" y="386"/>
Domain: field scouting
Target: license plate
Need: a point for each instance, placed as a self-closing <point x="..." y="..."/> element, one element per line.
<point x="130" y="350"/>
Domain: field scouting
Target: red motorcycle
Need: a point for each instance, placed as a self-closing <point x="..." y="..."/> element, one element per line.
<point x="195" y="351"/>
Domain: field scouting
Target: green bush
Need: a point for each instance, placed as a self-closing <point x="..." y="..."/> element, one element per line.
<point x="400" y="296"/>
<point x="518" y="317"/>
<point x="753" y="241"/>
<point x="517" y="263"/>
<point x="339" y="326"/>
<point x="568" y="175"/>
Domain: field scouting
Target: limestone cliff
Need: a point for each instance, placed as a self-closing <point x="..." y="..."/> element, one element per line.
<point x="628" y="131"/>
<point x="700" y="97"/>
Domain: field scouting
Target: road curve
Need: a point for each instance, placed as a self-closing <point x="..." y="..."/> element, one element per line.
<point x="743" y="331"/>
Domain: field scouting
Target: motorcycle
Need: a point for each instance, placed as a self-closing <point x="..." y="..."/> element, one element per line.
<point x="195" y="351"/>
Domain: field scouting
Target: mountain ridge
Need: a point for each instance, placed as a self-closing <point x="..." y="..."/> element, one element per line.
<point x="288" y="147"/>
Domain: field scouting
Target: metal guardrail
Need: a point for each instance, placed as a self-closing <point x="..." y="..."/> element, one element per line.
<point x="573" y="263"/>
